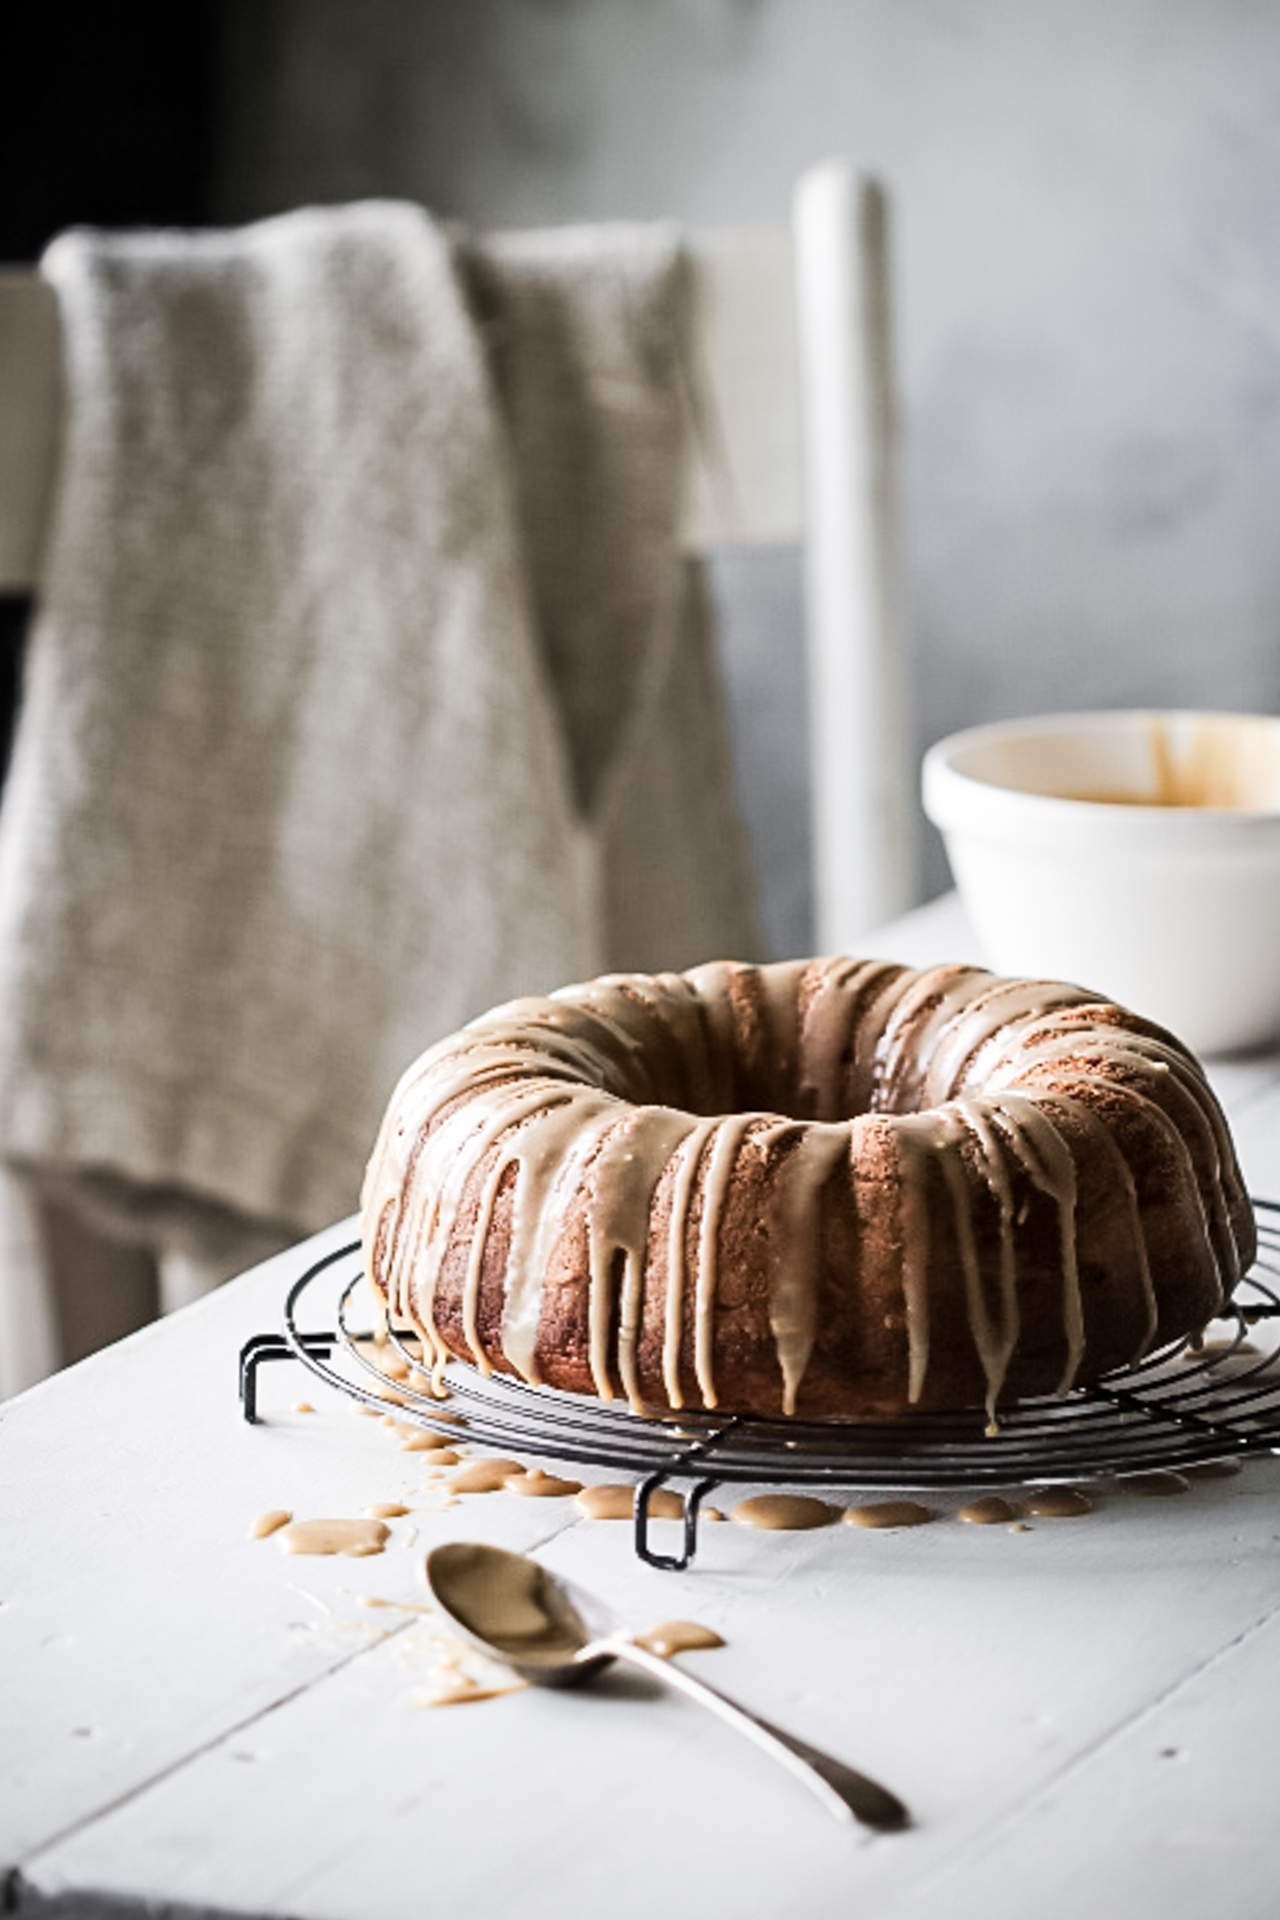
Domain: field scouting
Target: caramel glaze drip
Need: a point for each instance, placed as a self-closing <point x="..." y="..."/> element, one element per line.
<point x="617" y="1083"/>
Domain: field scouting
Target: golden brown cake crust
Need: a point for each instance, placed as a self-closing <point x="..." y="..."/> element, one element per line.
<point x="833" y="1188"/>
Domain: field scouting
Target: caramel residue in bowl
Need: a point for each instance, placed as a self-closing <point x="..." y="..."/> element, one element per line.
<point x="992" y="1510"/>
<point x="1211" y="760"/>
<point x="889" y="1513"/>
<point x="784" y="1512"/>
<point x="356" y="1539"/>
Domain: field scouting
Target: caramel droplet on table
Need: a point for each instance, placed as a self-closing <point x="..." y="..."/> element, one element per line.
<point x="619" y="1503"/>
<point x="993" y="1510"/>
<point x="783" y="1512"/>
<point x="1158" y="1485"/>
<point x="387" y="1510"/>
<point x="1212" y="1470"/>
<point x="536" y="1485"/>
<point x="1057" y="1503"/>
<point x="889" y="1513"/>
<point x="268" y="1523"/>
<point x="453" y="1689"/>
<point x="678" y="1636"/>
<point x="484" y="1476"/>
<point x="416" y="1440"/>
<point x="354" y="1538"/>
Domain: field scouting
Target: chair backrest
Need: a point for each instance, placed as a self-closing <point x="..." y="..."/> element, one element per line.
<point x="796" y="442"/>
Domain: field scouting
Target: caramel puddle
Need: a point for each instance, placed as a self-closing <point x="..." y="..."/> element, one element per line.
<point x="1160" y="1484"/>
<point x="619" y="1503"/>
<point x="537" y="1485"/>
<point x="269" y="1523"/>
<point x="993" y="1510"/>
<point x="783" y="1512"/>
<point x="354" y="1538"/>
<point x="1057" y="1503"/>
<point x="678" y="1636"/>
<point x="889" y="1513"/>
<point x="484" y="1476"/>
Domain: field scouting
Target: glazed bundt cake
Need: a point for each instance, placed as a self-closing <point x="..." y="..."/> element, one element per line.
<point x="831" y="1188"/>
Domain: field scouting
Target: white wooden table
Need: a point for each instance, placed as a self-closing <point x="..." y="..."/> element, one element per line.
<point x="1082" y="1716"/>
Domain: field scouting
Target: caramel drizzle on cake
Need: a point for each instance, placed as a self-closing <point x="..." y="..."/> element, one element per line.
<point x="604" y="1087"/>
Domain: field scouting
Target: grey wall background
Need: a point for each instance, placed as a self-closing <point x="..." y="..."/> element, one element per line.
<point x="1087" y="197"/>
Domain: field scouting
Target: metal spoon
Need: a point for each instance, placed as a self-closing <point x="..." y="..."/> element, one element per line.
<point x="553" y="1635"/>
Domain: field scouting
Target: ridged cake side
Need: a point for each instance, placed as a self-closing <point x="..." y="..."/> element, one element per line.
<point x="829" y="1187"/>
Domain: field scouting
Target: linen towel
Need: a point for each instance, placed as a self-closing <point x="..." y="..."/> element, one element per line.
<point x="364" y="653"/>
<point x="588" y="335"/>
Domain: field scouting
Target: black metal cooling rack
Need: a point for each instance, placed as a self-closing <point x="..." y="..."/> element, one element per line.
<point x="1180" y="1407"/>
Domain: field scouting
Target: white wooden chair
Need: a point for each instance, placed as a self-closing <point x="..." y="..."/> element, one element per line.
<point x="797" y="444"/>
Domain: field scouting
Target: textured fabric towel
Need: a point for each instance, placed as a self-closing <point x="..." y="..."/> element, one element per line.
<point x="367" y="689"/>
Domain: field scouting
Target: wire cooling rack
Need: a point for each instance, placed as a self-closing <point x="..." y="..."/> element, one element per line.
<point x="1180" y="1407"/>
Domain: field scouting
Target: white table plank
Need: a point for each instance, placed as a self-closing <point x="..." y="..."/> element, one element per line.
<point x="1175" y="1814"/>
<point x="971" y="1667"/>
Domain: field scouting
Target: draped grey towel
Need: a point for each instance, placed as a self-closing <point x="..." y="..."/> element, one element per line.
<point x="368" y="688"/>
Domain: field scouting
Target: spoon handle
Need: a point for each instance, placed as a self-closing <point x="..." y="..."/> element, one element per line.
<point x="842" y="1791"/>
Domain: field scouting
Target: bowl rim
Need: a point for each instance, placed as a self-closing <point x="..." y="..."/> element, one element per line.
<point x="958" y="801"/>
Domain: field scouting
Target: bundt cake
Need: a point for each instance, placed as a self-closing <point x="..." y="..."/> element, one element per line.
<point x="831" y="1188"/>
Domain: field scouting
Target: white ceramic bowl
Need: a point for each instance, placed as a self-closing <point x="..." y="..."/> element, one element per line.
<point x="1137" y="854"/>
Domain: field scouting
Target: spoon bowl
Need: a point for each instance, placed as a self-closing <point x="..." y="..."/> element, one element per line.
<point x="554" y="1634"/>
<point x="512" y="1609"/>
